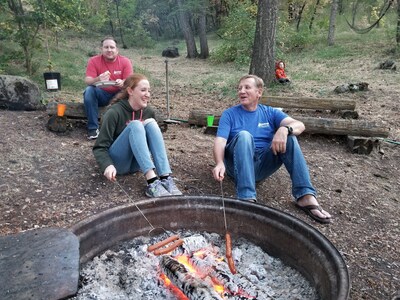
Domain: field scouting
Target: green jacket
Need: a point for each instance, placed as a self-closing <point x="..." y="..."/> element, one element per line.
<point x="113" y="123"/>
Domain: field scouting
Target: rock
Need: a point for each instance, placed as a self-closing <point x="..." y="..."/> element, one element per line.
<point x="39" y="264"/>
<point x="388" y="65"/>
<point x="170" y="52"/>
<point x="19" y="93"/>
<point x="351" y="87"/>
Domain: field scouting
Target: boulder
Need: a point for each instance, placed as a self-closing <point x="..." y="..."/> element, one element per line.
<point x="170" y="52"/>
<point x="19" y="93"/>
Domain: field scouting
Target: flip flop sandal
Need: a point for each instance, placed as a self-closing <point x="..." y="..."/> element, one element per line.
<point x="308" y="210"/>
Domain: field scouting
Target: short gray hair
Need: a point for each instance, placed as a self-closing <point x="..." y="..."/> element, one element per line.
<point x="258" y="80"/>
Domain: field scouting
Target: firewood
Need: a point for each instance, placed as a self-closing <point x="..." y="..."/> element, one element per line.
<point x="360" y="145"/>
<point x="192" y="287"/>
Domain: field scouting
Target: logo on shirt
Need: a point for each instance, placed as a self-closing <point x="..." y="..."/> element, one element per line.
<point x="263" y="125"/>
<point x="117" y="72"/>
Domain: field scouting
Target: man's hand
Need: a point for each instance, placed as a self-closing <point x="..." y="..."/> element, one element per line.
<point x="110" y="172"/>
<point x="119" y="83"/>
<point x="219" y="172"/>
<point x="278" y="144"/>
<point x="104" y="76"/>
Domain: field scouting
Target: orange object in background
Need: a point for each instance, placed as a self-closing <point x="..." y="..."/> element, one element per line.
<point x="61" y="109"/>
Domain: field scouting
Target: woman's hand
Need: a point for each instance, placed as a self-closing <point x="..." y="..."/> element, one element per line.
<point x="110" y="173"/>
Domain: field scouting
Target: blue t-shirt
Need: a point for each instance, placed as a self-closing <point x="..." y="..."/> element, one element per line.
<point x="261" y="123"/>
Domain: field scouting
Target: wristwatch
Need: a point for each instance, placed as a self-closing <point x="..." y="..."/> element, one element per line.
<point x="290" y="130"/>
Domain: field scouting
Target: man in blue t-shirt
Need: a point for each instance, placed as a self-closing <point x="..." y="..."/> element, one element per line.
<point x="254" y="140"/>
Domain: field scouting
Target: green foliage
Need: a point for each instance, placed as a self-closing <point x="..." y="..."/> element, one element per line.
<point x="137" y="36"/>
<point x="237" y="33"/>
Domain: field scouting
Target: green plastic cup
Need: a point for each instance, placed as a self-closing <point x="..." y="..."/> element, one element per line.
<point x="210" y="121"/>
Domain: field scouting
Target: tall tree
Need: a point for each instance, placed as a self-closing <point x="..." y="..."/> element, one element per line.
<point x="204" y="51"/>
<point x="263" y="58"/>
<point x="28" y="18"/>
<point x="398" y="25"/>
<point x="313" y="15"/>
<point x="332" y="22"/>
<point x="184" y="22"/>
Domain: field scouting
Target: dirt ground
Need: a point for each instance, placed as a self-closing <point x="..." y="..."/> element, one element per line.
<point x="51" y="179"/>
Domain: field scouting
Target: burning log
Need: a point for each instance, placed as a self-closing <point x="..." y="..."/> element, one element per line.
<point x="191" y="286"/>
<point x="237" y="286"/>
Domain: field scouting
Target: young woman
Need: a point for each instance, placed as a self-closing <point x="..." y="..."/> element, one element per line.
<point x="130" y="139"/>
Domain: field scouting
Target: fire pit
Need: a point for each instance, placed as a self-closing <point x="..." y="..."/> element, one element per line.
<point x="280" y="235"/>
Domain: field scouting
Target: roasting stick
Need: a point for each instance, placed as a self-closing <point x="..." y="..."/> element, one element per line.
<point x="170" y="243"/>
<point x="228" y="240"/>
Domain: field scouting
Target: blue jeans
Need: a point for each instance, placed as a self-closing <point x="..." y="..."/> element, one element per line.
<point x="135" y="147"/>
<point x="93" y="97"/>
<point x="247" y="165"/>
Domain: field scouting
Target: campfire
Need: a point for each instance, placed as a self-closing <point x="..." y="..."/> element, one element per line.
<point x="281" y="256"/>
<point x="197" y="269"/>
<point x="199" y="272"/>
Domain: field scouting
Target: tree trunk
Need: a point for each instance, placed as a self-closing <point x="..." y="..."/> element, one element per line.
<point x="332" y="23"/>
<point x="204" y="52"/>
<point x="184" y="22"/>
<point x="263" y="57"/>
<point x="117" y="3"/>
<point x="299" y="17"/>
<point x="313" y="15"/>
<point x="398" y="25"/>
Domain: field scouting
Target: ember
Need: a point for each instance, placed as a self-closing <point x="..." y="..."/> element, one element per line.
<point x="195" y="270"/>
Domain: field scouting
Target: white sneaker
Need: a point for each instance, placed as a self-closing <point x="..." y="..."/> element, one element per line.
<point x="170" y="186"/>
<point x="156" y="189"/>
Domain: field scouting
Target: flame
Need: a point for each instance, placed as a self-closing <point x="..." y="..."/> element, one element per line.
<point x="184" y="259"/>
<point x="175" y="290"/>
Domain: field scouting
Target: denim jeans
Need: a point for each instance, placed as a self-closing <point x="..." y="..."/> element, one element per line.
<point x="94" y="97"/>
<point x="135" y="147"/>
<point x="248" y="165"/>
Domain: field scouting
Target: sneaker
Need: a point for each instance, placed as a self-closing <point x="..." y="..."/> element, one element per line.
<point x="170" y="186"/>
<point x="253" y="200"/>
<point x="93" y="134"/>
<point x="156" y="189"/>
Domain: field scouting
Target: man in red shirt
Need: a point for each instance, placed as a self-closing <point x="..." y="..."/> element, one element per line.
<point x="105" y="76"/>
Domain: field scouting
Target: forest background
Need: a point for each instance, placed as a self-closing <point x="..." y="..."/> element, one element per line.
<point x="324" y="43"/>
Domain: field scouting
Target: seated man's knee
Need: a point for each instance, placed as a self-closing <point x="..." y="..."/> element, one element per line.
<point x="244" y="136"/>
<point x="89" y="93"/>
<point x="292" y="142"/>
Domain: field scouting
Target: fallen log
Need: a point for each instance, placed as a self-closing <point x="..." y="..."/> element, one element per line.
<point x="344" y="127"/>
<point x="309" y="103"/>
<point x="74" y="110"/>
<point x="315" y="125"/>
<point x="77" y="111"/>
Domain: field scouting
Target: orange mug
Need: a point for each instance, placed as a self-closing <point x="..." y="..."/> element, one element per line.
<point x="61" y="109"/>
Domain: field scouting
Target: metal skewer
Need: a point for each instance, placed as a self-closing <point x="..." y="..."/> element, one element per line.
<point x="164" y="246"/>
<point x="137" y="207"/>
<point x="223" y="206"/>
<point x="228" y="240"/>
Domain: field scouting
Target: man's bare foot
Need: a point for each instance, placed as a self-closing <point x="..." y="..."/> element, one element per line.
<point x="310" y="206"/>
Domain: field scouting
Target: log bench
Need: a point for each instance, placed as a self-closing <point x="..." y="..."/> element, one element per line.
<point x="361" y="135"/>
<point x="76" y="111"/>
